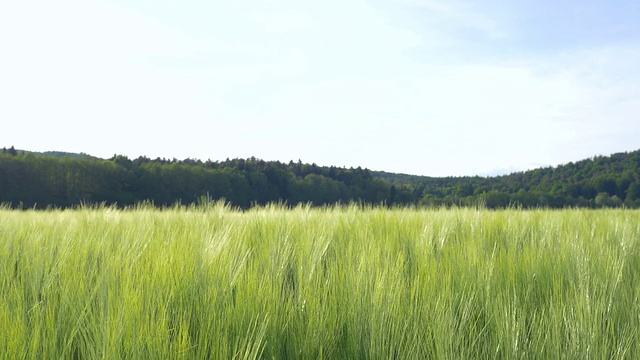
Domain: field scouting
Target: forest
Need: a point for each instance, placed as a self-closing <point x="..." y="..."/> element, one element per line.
<point x="61" y="180"/>
<point x="600" y="181"/>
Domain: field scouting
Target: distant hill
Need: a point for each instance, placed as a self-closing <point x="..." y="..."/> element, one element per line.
<point x="598" y="181"/>
<point x="58" y="154"/>
<point x="67" y="179"/>
<point x="61" y="154"/>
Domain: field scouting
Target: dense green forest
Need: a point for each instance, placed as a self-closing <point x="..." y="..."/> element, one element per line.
<point x="63" y="179"/>
<point x="30" y="180"/>
<point x="601" y="181"/>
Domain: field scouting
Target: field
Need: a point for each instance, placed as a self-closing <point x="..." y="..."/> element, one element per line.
<point x="347" y="282"/>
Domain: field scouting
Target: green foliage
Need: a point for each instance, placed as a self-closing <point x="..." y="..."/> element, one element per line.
<point x="211" y="282"/>
<point x="572" y="185"/>
<point x="633" y="192"/>
<point x="35" y="181"/>
<point x="63" y="180"/>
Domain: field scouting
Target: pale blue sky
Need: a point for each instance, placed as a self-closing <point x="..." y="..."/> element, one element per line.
<point x="430" y="87"/>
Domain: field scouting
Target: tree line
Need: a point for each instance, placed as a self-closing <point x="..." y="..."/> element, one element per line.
<point x="65" y="180"/>
<point x="29" y="180"/>
<point x="601" y="181"/>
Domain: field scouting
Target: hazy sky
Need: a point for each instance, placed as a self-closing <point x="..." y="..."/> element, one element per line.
<point x="430" y="87"/>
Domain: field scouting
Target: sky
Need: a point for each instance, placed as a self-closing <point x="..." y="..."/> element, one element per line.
<point x="425" y="87"/>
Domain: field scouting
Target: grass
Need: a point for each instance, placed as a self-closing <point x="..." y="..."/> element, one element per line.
<point x="329" y="283"/>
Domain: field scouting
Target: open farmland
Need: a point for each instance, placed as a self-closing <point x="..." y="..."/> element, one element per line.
<point x="340" y="282"/>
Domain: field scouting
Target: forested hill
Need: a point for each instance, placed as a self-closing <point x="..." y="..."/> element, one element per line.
<point x="599" y="181"/>
<point x="14" y="151"/>
<point x="64" y="179"/>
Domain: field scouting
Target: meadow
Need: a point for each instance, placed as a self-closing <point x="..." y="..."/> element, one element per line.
<point x="345" y="282"/>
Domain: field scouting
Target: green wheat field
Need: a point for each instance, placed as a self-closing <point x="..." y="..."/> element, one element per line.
<point x="344" y="282"/>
